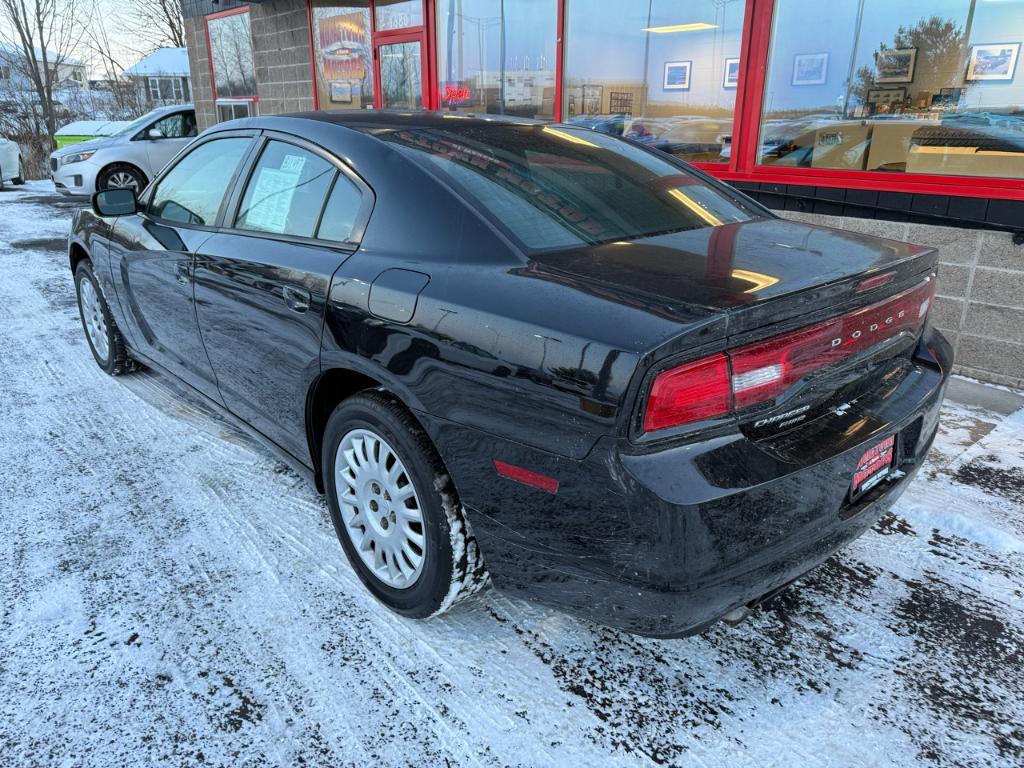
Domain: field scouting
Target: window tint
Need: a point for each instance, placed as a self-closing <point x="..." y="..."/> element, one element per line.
<point x="286" y="191"/>
<point x="191" y="193"/>
<point x="559" y="187"/>
<point x="339" y="217"/>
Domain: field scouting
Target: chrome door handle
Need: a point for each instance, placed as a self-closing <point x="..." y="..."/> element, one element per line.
<point x="297" y="299"/>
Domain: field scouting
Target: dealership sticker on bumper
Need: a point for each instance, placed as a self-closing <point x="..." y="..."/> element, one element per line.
<point x="874" y="466"/>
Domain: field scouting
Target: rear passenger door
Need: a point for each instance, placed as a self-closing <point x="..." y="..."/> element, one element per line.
<point x="261" y="282"/>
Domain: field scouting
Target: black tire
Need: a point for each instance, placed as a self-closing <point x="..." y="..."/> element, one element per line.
<point x="453" y="567"/>
<point x="117" y="360"/>
<point x="20" y="178"/>
<point x="112" y="172"/>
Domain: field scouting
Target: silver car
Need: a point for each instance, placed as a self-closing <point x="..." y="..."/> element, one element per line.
<point x="129" y="158"/>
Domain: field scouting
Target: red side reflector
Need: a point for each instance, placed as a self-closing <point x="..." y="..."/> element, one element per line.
<point x="526" y="477"/>
<point x="874" y="282"/>
<point x="691" y="392"/>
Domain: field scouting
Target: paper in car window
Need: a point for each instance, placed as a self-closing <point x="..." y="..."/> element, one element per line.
<point x="272" y="196"/>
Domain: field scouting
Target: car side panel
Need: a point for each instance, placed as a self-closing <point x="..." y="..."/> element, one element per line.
<point x="8" y="160"/>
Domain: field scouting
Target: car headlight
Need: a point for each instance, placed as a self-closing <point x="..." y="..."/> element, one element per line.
<point x="78" y="157"/>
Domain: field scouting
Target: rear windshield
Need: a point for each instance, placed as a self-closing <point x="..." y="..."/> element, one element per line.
<point x="555" y="187"/>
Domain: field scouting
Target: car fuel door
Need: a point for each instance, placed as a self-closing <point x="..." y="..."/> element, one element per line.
<point x="152" y="266"/>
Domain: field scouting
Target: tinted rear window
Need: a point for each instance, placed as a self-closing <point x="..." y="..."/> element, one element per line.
<point x="554" y="187"/>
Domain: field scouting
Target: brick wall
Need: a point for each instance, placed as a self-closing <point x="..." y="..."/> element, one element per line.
<point x="980" y="293"/>
<point x="199" y="66"/>
<point x="280" y="37"/>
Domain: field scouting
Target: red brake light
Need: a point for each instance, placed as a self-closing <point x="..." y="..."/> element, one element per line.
<point x="756" y="373"/>
<point x="691" y="392"/>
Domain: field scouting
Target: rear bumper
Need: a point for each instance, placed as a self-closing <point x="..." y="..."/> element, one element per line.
<point x="665" y="543"/>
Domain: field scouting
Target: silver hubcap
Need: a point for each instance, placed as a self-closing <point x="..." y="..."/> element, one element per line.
<point x="123" y="180"/>
<point x="93" y="318"/>
<point x="380" y="508"/>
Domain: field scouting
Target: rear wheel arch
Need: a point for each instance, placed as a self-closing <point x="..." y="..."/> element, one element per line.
<point x="330" y="388"/>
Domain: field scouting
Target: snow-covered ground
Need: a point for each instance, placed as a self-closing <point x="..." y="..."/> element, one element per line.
<point x="171" y="595"/>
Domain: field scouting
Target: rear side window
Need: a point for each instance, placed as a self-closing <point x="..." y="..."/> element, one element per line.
<point x="286" y="191"/>
<point x="192" y="191"/>
<point x="557" y="187"/>
<point x="342" y="209"/>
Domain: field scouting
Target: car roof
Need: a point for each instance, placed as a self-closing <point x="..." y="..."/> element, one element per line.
<point x="374" y="119"/>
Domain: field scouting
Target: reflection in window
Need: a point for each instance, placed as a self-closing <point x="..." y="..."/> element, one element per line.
<point x="400" y="76"/>
<point x="661" y="72"/>
<point x="234" y="74"/>
<point x="397" y="14"/>
<point x="497" y="57"/>
<point x="340" y="214"/>
<point x="344" y="69"/>
<point x="554" y="187"/>
<point x="913" y="87"/>
<point x="192" y="192"/>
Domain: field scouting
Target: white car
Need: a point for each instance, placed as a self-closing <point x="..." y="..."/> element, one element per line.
<point x="130" y="158"/>
<point x="11" y="167"/>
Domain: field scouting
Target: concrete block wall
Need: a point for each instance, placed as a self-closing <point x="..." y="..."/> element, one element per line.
<point x="284" y="75"/>
<point x="199" y="66"/>
<point x="979" y="301"/>
<point x="284" y="79"/>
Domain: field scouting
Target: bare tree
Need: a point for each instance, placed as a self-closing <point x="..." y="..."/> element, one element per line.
<point x="44" y="32"/>
<point x="159" y="23"/>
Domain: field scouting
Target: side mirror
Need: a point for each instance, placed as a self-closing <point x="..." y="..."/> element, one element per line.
<point x="154" y="133"/>
<point x="115" y="202"/>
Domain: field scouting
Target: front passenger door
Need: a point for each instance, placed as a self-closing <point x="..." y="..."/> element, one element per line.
<point x="152" y="257"/>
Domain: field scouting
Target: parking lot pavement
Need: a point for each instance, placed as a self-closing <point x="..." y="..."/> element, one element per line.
<point x="171" y="595"/>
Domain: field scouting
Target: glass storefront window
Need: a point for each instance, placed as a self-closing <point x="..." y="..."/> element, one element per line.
<point x="662" y="72"/>
<point x="234" y="74"/>
<point x="497" y="57"/>
<point x="398" y="14"/>
<point x="920" y="86"/>
<point x="400" y="76"/>
<point x="342" y="49"/>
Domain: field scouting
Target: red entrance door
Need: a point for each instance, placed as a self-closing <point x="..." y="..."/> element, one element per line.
<point x="400" y="53"/>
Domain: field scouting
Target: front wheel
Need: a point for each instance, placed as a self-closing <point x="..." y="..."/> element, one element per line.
<point x="104" y="337"/>
<point x="121" y="176"/>
<point x="395" y="509"/>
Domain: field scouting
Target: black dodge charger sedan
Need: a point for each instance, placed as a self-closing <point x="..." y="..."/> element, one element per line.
<point x="629" y="390"/>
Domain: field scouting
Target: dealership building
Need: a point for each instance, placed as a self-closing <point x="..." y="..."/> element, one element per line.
<point x="904" y="120"/>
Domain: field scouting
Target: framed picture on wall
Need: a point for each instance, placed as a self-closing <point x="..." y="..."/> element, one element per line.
<point x="993" y="61"/>
<point x="731" y="76"/>
<point x="810" y="68"/>
<point x="677" y="76"/>
<point x="895" y="65"/>
<point x="886" y="96"/>
<point x="593" y="99"/>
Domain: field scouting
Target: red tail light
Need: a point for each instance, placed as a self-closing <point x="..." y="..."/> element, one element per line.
<point x="756" y="373"/>
<point x="691" y="392"/>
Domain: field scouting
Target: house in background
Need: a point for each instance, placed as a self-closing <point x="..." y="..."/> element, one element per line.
<point x="70" y="73"/>
<point x="162" y="77"/>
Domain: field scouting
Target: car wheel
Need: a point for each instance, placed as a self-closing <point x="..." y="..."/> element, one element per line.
<point x="20" y="178"/>
<point x="395" y="509"/>
<point x="104" y="337"/>
<point x="121" y="177"/>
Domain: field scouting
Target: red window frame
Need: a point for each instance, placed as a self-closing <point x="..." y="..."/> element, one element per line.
<point x="742" y="165"/>
<point x="423" y="33"/>
<point x="255" y="98"/>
